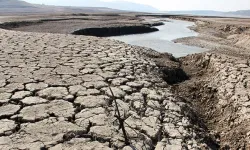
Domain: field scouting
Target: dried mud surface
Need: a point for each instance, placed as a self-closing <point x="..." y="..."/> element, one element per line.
<point x="55" y="94"/>
<point x="61" y="91"/>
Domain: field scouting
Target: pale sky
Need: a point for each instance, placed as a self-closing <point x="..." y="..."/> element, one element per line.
<point x="171" y="5"/>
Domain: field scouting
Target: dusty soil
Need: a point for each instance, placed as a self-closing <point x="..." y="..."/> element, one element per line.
<point x="61" y="91"/>
<point x="54" y="88"/>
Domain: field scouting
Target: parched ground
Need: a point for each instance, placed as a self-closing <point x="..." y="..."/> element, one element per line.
<point x="219" y="84"/>
<point x="55" y="94"/>
<point x="61" y="91"/>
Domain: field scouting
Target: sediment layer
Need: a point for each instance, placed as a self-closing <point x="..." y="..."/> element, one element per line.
<point x="219" y="91"/>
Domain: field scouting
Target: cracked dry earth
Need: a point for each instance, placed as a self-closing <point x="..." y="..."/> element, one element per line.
<point x="54" y="94"/>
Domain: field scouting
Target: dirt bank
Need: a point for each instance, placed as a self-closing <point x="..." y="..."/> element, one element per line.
<point x="219" y="91"/>
<point x="224" y="36"/>
<point x="83" y="24"/>
<point x="218" y="85"/>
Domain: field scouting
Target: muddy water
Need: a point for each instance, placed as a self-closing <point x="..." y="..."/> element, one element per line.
<point x="162" y="39"/>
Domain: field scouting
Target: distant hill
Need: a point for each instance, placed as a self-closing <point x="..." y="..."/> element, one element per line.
<point x="240" y="13"/>
<point x="118" y="4"/>
<point x="14" y="4"/>
<point x="197" y="12"/>
<point x="129" y="6"/>
<point x="10" y="7"/>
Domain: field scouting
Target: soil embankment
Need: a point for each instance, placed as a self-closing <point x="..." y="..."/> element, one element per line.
<point x="86" y="24"/>
<point x="219" y="80"/>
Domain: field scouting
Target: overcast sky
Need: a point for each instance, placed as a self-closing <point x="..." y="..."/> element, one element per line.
<point x="170" y="5"/>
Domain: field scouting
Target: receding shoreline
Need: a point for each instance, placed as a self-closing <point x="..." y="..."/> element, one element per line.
<point x="85" y="25"/>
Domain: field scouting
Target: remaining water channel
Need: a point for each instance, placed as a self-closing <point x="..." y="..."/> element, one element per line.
<point x="162" y="39"/>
